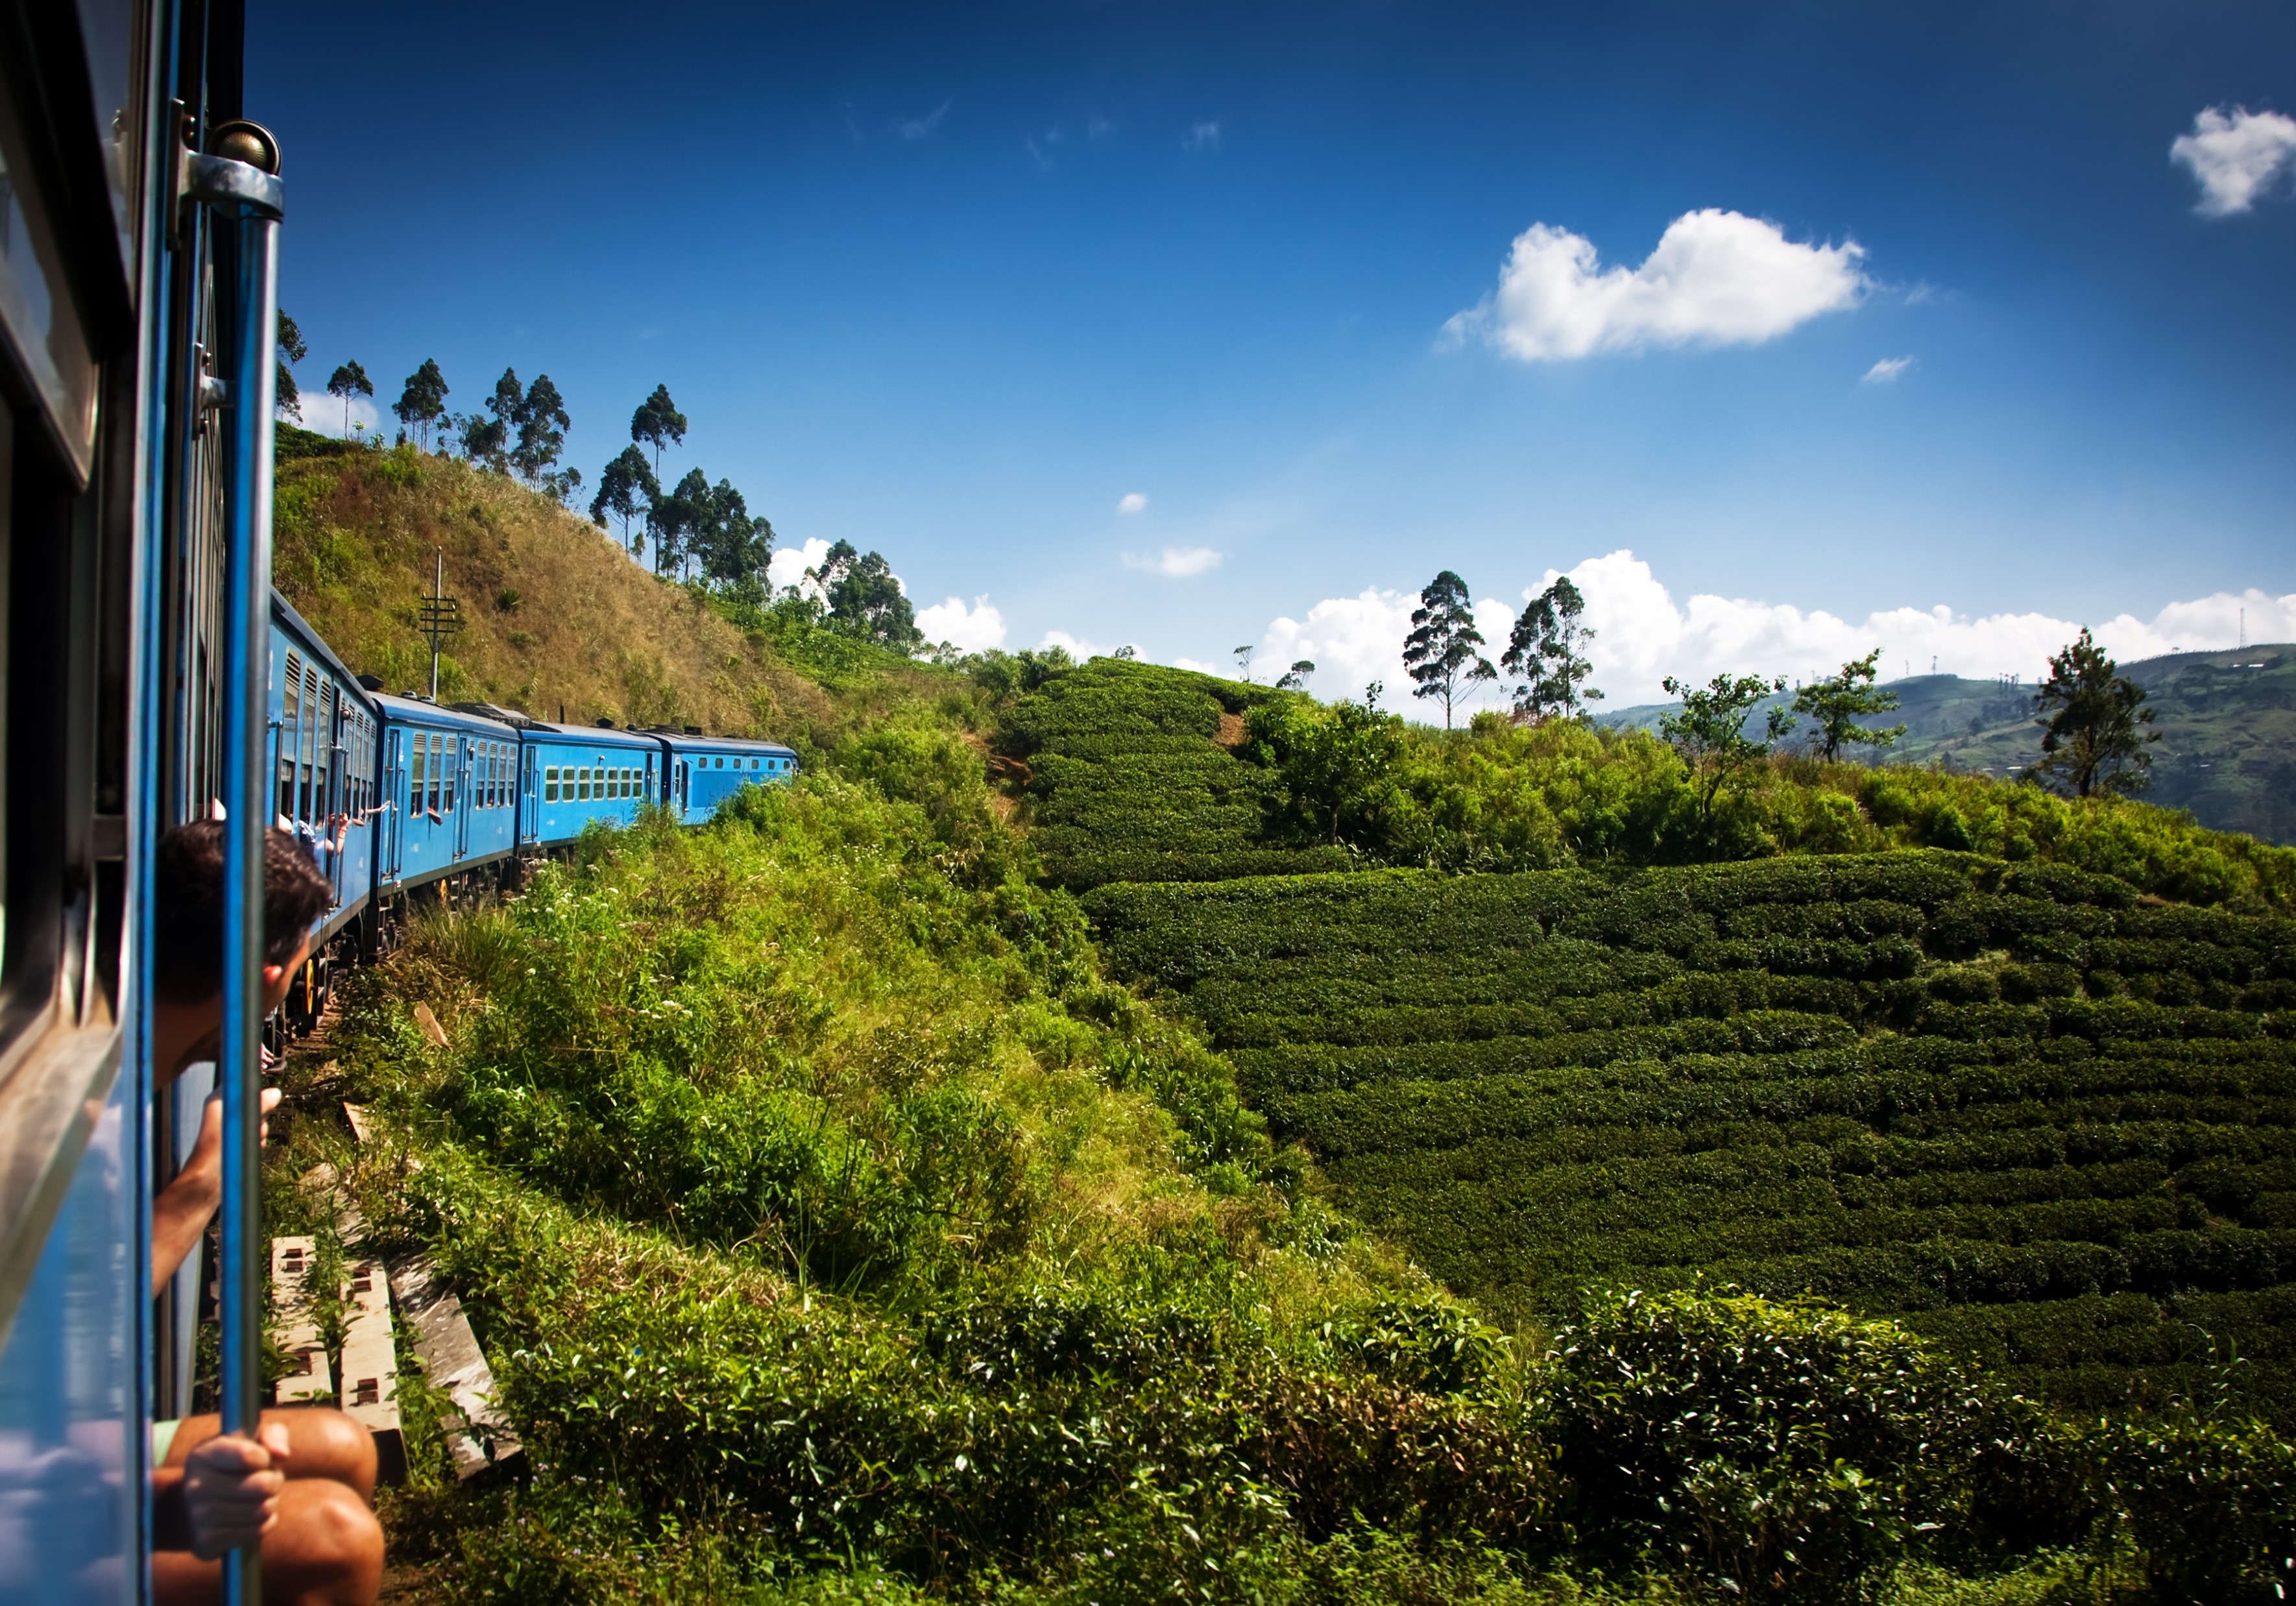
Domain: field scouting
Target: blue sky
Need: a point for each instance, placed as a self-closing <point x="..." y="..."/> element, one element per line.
<point x="954" y="282"/>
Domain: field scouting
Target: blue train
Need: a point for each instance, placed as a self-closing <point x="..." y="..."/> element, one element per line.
<point x="396" y="793"/>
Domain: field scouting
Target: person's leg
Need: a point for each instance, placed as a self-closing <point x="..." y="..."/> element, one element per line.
<point x="322" y="1444"/>
<point x="325" y="1550"/>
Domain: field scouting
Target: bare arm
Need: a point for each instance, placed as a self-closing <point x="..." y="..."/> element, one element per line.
<point x="187" y="1204"/>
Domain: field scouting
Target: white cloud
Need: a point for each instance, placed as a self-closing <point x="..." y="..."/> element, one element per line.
<point x="1175" y="562"/>
<point x="788" y="564"/>
<point x="1202" y="138"/>
<point x="2236" y="156"/>
<point x="1202" y="668"/>
<point x="1886" y="370"/>
<point x="1716" y="278"/>
<point x="1646" y="635"/>
<point x="322" y="415"/>
<point x="974" y="629"/>
<point x="1643" y="635"/>
<point x="1132" y="501"/>
<point x="1075" y="646"/>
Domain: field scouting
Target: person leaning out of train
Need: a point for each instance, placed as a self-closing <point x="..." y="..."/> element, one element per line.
<point x="304" y="1484"/>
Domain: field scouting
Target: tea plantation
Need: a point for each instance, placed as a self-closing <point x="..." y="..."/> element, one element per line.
<point x="2045" y="1118"/>
<point x="1131" y="781"/>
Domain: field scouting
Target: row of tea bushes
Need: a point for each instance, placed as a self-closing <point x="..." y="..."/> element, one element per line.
<point x="1921" y="1083"/>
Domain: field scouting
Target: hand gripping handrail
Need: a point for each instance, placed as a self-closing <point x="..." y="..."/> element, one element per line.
<point x="240" y="183"/>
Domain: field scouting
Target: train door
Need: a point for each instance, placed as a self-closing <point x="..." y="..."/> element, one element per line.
<point x="338" y="800"/>
<point x="529" y="797"/>
<point x="465" y="751"/>
<point x="685" y="781"/>
<point x="395" y="793"/>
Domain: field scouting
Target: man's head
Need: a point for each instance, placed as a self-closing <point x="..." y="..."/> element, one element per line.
<point x="187" y="910"/>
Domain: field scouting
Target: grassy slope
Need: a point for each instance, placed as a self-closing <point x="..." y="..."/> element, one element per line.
<point x="2227" y="747"/>
<point x="556" y="614"/>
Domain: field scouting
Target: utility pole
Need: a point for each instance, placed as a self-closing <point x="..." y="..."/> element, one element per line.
<point x="442" y="616"/>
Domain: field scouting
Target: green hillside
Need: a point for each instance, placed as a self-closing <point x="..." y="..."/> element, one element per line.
<point x="2049" y="1122"/>
<point x="841" y="1226"/>
<point x="2226" y="722"/>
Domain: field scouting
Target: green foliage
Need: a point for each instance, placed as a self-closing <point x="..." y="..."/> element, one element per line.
<point x="1777" y="1451"/>
<point x="1547" y="648"/>
<point x="865" y="600"/>
<point x="1837" y="703"/>
<point x="2096" y="723"/>
<point x="1335" y="766"/>
<point x="1983" y="1095"/>
<point x="1124" y="765"/>
<point x="1709" y="732"/>
<point x="1441" y="651"/>
<point x="423" y="403"/>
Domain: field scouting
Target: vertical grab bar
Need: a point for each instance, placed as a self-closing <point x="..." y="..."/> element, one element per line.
<point x="241" y="184"/>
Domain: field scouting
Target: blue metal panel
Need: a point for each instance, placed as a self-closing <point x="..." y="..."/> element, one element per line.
<point x="71" y="1411"/>
<point x="449" y="778"/>
<point x="323" y="769"/>
<point x="706" y="770"/>
<point x="582" y="773"/>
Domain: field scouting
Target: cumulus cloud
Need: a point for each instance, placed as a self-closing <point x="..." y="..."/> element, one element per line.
<point x="1075" y="646"/>
<point x="2235" y="156"/>
<point x="322" y="415"/>
<point x="788" y="564"/>
<point x="1643" y="635"/>
<point x="1717" y="278"/>
<point x="1175" y="562"/>
<point x="1887" y="370"/>
<point x="1203" y="137"/>
<point x="1132" y="501"/>
<point x="974" y="629"/>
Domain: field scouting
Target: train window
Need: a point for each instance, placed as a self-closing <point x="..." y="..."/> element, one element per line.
<point x="307" y="788"/>
<point x="414" y="790"/>
<point x="290" y="709"/>
<point x="622" y="790"/>
<point x="437" y="746"/>
<point x="550" y="784"/>
<point x="454" y="769"/>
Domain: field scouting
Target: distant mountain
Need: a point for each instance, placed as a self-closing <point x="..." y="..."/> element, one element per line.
<point x="2227" y="721"/>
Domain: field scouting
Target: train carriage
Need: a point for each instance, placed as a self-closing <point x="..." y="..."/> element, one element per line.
<point x="324" y="734"/>
<point x="571" y="774"/>
<point x="704" y="771"/>
<point x="447" y="779"/>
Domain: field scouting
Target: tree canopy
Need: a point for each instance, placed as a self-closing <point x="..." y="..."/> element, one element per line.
<point x="658" y="423"/>
<point x="865" y="599"/>
<point x="541" y="422"/>
<point x="1335" y="764"/>
<point x="626" y="489"/>
<point x="1441" y="651"/>
<point x="2094" y="725"/>
<point x="349" y="381"/>
<point x="733" y="546"/>
<point x="1545" y="648"/>
<point x="423" y="402"/>
<point x="1836" y="703"/>
<point x="292" y="351"/>
<point x="1710" y="733"/>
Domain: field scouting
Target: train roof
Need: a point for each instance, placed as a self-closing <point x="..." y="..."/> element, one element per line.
<point x="600" y="736"/>
<point x="682" y="741"/>
<point x="414" y="710"/>
<point x="318" y="647"/>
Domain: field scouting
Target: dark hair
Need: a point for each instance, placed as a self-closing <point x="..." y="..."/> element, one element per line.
<point x="187" y="907"/>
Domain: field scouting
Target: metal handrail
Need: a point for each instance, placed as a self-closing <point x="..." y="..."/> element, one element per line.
<point x="248" y="201"/>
